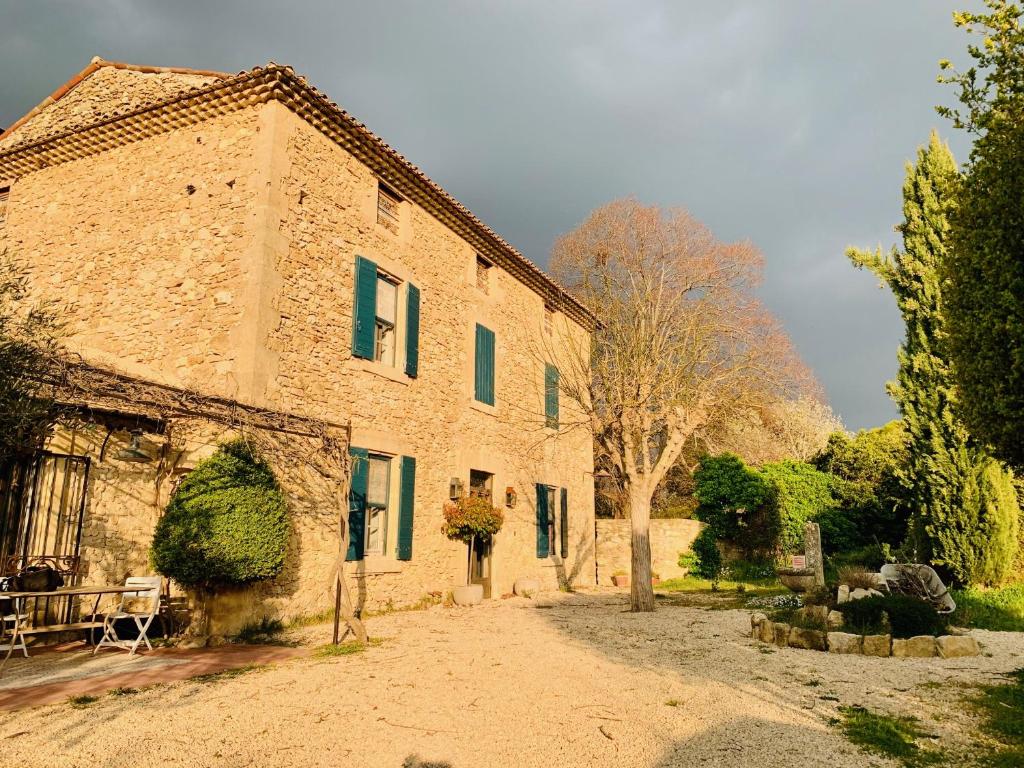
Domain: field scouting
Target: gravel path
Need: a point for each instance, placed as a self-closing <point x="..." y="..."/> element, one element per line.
<point x="567" y="680"/>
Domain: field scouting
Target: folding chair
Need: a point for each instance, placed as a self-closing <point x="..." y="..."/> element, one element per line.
<point x="17" y="616"/>
<point x="149" y="590"/>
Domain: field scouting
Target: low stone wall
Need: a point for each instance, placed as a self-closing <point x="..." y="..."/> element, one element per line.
<point x="669" y="538"/>
<point x="923" y="646"/>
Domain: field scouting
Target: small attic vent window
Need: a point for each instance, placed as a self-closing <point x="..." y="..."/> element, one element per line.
<point x="5" y="193"/>
<point x="483" y="274"/>
<point x="387" y="207"/>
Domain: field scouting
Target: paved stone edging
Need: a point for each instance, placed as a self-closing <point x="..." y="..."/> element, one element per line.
<point x="922" y="646"/>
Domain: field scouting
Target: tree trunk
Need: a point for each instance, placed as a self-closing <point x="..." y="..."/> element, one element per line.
<point x="641" y="592"/>
<point x="343" y="599"/>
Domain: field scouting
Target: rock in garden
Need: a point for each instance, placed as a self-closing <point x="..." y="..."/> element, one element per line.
<point x="834" y="619"/>
<point x="843" y="594"/>
<point x="877" y="645"/>
<point x="781" y="634"/>
<point x="859" y="594"/>
<point x="844" y="642"/>
<point x="766" y="631"/>
<point x="755" y="622"/>
<point x="809" y="639"/>
<point x="954" y="646"/>
<point x="921" y="646"/>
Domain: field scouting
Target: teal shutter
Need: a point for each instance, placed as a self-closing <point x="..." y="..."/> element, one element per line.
<point x="364" y="308"/>
<point x="543" y="542"/>
<point x="550" y="396"/>
<point x="357" y="502"/>
<point x="563" y="523"/>
<point x="412" y="331"/>
<point x="483" y="384"/>
<point x="406" y="502"/>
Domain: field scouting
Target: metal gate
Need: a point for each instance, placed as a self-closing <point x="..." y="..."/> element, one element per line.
<point x="42" y="506"/>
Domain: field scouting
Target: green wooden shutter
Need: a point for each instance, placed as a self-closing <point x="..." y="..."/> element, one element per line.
<point x="550" y="396"/>
<point x="563" y="523"/>
<point x="543" y="542"/>
<point x="483" y="384"/>
<point x="412" y="331"/>
<point x="406" y="502"/>
<point x="357" y="503"/>
<point x="364" y="308"/>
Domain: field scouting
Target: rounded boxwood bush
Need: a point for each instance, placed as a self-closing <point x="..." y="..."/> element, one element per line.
<point x="227" y="523"/>
<point x="709" y="558"/>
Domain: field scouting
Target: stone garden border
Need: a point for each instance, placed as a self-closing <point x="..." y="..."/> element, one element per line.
<point x="923" y="646"/>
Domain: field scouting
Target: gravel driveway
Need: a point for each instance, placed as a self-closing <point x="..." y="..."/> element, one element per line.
<point x="562" y="680"/>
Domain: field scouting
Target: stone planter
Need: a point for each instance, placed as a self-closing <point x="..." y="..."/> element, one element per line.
<point x="526" y="587"/>
<point x="798" y="581"/>
<point x="620" y="581"/>
<point x="471" y="594"/>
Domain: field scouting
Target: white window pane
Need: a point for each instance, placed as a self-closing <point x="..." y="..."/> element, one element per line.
<point x="385" y="340"/>
<point x="387" y="300"/>
<point x="375" y="518"/>
<point x="377" y="485"/>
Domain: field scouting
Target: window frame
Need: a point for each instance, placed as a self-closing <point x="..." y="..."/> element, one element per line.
<point x="384" y="512"/>
<point x="484" y="268"/>
<point x="5" y="201"/>
<point x="381" y="324"/>
<point x="488" y="483"/>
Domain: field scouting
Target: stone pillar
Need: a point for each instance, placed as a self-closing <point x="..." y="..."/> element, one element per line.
<point x="812" y="551"/>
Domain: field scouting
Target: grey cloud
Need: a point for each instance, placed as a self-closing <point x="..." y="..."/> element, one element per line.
<point x="787" y="123"/>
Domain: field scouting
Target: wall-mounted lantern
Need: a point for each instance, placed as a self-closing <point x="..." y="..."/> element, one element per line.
<point x="456" y="490"/>
<point x="134" y="453"/>
<point x="510" y="497"/>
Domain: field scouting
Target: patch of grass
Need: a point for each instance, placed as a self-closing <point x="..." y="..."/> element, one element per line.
<point x="81" y="702"/>
<point x="227" y="674"/>
<point x="1001" y="610"/>
<point x="330" y="650"/>
<point x="887" y="735"/>
<point x="673" y="703"/>
<point x="750" y="587"/>
<point x="122" y="691"/>
<point x="1002" y="707"/>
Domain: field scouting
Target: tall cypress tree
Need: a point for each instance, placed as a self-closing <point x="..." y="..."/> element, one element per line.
<point x="965" y="510"/>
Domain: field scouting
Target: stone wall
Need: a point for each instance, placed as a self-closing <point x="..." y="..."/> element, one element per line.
<point x="669" y="538"/>
<point x="220" y="256"/>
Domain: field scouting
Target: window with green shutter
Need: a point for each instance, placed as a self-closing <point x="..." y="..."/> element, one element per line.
<point x="357" y="503"/>
<point x="543" y="540"/>
<point x="483" y="382"/>
<point x="563" y="523"/>
<point x="412" y="331"/>
<point x="550" y="396"/>
<point x="406" y="505"/>
<point x="364" y="309"/>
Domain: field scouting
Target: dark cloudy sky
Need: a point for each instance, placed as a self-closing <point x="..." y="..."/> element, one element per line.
<point x="784" y="122"/>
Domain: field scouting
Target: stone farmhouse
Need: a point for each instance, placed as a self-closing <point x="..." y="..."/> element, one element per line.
<point x="243" y="236"/>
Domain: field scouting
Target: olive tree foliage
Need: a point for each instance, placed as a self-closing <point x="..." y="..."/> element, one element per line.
<point x="984" y="271"/>
<point x="28" y="342"/>
<point x="681" y="341"/>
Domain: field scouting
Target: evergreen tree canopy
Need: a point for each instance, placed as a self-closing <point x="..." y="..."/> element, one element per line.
<point x="963" y="517"/>
<point x="984" y="270"/>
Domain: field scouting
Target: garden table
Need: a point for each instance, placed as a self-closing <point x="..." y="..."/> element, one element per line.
<point x="19" y="630"/>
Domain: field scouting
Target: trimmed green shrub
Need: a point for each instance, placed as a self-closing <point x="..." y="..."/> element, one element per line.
<point x="709" y="558"/>
<point x="731" y="498"/>
<point x="802" y="494"/>
<point x="227" y="523"/>
<point x="902" y="615"/>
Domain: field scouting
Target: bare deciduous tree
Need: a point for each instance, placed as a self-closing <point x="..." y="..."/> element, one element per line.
<point x="682" y="341"/>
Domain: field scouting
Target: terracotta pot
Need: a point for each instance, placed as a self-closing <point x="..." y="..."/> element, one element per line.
<point x="620" y="581"/>
<point x="471" y="594"/>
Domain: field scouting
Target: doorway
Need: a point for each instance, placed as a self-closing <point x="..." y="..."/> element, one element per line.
<point x="481" y="485"/>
